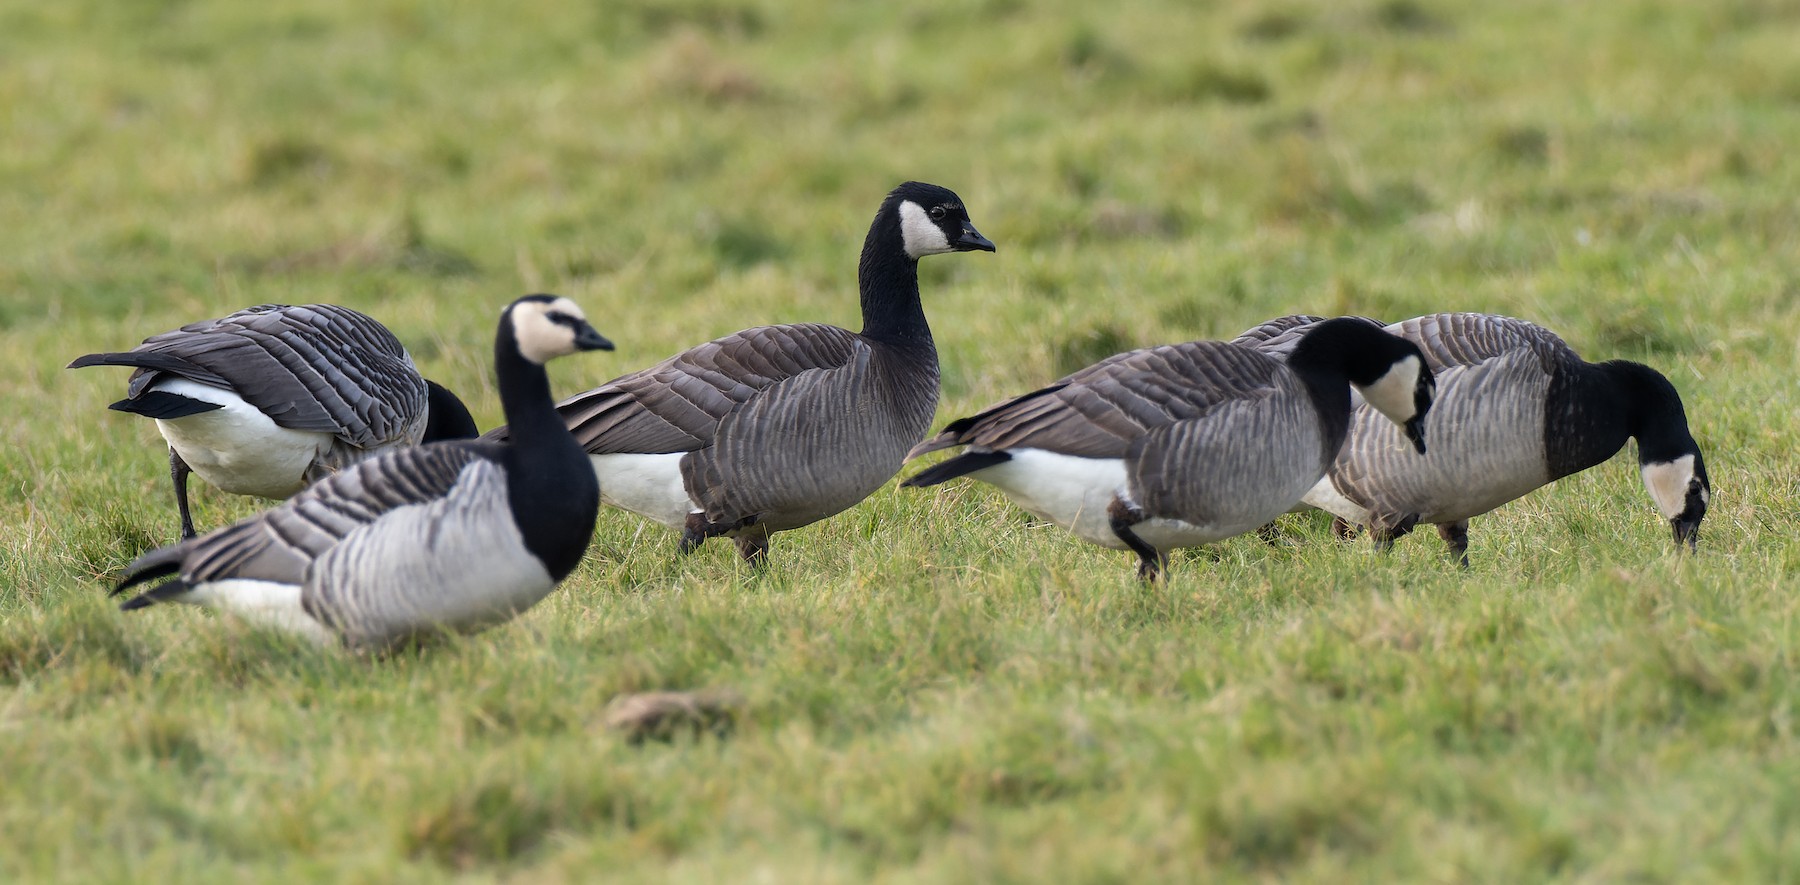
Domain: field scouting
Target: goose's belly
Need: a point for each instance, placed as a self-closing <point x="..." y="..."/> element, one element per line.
<point x="237" y="448"/>
<point x="1070" y="491"/>
<point x="1231" y="509"/>
<point x="647" y="485"/>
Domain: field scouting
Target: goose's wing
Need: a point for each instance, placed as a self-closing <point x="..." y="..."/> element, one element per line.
<point x="315" y="367"/>
<point x="677" y="404"/>
<point x="1278" y="336"/>
<point x="1468" y="339"/>
<point x="281" y="544"/>
<point x="1098" y="411"/>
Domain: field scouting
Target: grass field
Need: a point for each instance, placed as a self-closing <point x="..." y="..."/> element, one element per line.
<point x="934" y="687"/>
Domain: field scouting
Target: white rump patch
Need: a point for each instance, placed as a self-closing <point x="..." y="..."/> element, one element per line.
<point x="922" y="235"/>
<point x="1071" y="491"/>
<point x="237" y="448"/>
<point x="647" y="485"/>
<point x="1668" y="484"/>
<point x="1326" y="497"/>
<point x="268" y="604"/>
<point x="540" y="339"/>
<point x="1392" y="393"/>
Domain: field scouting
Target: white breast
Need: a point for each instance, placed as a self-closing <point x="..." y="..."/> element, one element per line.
<point x="1071" y="491"/>
<point x="648" y="485"/>
<point x="237" y="448"/>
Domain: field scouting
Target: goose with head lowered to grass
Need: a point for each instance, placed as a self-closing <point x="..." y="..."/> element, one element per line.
<point x="269" y="399"/>
<point x="1185" y="444"/>
<point x="776" y="427"/>
<point x="444" y="537"/>
<point x="1518" y="409"/>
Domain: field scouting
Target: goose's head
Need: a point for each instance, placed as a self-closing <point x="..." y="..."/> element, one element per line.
<point x="548" y="326"/>
<point x="932" y="220"/>
<point x="1681" y="491"/>
<point x="1392" y="375"/>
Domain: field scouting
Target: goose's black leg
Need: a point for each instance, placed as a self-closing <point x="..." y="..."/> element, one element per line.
<point x="178" y="474"/>
<point x="1456" y="535"/>
<point x="1384" y="535"/>
<point x="1270" y="533"/>
<point x="1151" y="561"/>
<point x="753" y="545"/>
<point x="699" y="528"/>
<point x="1341" y="529"/>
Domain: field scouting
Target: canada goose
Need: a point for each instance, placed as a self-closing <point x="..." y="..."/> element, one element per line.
<point x="776" y="427"/>
<point x="454" y="535"/>
<point x="1185" y="444"/>
<point x="1517" y="409"/>
<point x="273" y="397"/>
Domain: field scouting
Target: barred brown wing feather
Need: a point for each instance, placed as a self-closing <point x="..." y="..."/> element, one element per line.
<point x="1098" y="411"/>
<point x="677" y="404"/>
<point x="280" y="544"/>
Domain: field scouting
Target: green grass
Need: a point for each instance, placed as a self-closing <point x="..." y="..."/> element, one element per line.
<point x="935" y="688"/>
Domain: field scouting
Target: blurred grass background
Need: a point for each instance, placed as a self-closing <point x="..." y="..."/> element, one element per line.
<point x="936" y="687"/>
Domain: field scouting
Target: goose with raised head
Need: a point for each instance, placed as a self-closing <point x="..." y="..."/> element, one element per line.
<point x="1185" y="444"/>
<point x="271" y="398"/>
<point x="444" y="537"/>
<point x="1517" y="409"/>
<point x="776" y="427"/>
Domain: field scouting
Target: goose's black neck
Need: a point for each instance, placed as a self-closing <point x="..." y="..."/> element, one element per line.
<point x="445" y="415"/>
<point x="889" y="281"/>
<point x="1321" y="359"/>
<point x="1653" y="411"/>
<point x="553" y="491"/>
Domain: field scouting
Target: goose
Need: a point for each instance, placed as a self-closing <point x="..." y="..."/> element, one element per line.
<point x="448" y="536"/>
<point x="269" y="399"/>
<point x="1517" y="409"/>
<point x="1185" y="444"/>
<point x="777" y="427"/>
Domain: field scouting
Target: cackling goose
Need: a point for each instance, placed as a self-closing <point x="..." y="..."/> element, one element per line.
<point x="776" y="427"/>
<point x="1517" y="409"/>
<point x="448" y="536"/>
<point x="1185" y="444"/>
<point x="269" y="399"/>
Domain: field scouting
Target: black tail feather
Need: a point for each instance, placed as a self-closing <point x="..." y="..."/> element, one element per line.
<point x="961" y="465"/>
<point x="163" y="405"/>
<point x="154" y="595"/>
<point x="155" y="564"/>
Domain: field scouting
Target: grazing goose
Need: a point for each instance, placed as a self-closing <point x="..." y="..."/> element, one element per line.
<point x="1185" y="444"/>
<point x="776" y="427"/>
<point x="448" y="536"/>
<point x="269" y="399"/>
<point x="1517" y="409"/>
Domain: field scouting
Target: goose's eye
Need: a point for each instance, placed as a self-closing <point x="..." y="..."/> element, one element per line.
<point x="937" y="213"/>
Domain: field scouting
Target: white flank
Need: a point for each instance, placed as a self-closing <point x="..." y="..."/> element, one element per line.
<point x="1070" y="491"/>
<point x="237" y="448"/>
<point x="921" y="235"/>
<point x="1668" y="484"/>
<point x="1392" y="393"/>
<point x="648" y="485"/>
<point x="263" y="603"/>
<point x="1326" y="497"/>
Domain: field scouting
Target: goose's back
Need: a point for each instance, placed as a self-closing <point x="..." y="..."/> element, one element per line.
<point x="314" y="367"/>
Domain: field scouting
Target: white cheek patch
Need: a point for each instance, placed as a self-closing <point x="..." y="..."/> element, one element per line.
<point x="541" y="340"/>
<point x="1668" y="482"/>
<point x="921" y="235"/>
<point x="1392" y="393"/>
